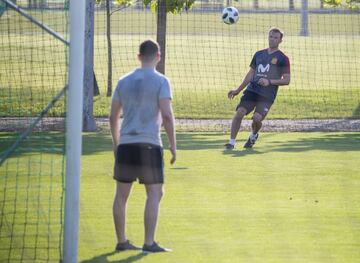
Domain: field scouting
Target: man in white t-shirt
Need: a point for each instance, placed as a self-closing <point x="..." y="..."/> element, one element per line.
<point x="143" y="96"/>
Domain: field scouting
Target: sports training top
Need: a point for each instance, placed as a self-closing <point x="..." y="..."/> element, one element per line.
<point x="269" y="66"/>
<point x="139" y="93"/>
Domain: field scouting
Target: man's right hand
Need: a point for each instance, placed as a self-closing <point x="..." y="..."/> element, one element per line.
<point x="115" y="151"/>
<point x="173" y="154"/>
<point x="232" y="93"/>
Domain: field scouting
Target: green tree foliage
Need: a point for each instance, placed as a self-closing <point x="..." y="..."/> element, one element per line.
<point x="161" y="7"/>
<point x="351" y="4"/>
<point x="172" y="6"/>
<point x="118" y="2"/>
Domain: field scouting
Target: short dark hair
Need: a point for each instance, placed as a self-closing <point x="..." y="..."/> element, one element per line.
<point x="148" y="49"/>
<point x="277" y="30"/>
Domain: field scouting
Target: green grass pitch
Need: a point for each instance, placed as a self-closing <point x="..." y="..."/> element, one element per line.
<point x="293" y="198"/>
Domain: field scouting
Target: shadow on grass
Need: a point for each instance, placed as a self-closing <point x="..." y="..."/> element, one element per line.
<point x="326" y="142"/>
<point x="43" y="140"/>
<point x="104" y="258"/>
<point x="242" y="152"/>
<point x="198" y="141"/>
<point x="94" y="143"/>
<point x="46" y="143"/>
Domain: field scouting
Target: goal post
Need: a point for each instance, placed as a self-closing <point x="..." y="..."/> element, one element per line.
<point x="74" y="129"/>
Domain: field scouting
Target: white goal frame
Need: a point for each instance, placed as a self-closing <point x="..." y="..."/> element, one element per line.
<point x="74" y="130"/>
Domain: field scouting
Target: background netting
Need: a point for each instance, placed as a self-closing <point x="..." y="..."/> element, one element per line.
<point x="205" y="58"/>
<point x="33" y="71"/>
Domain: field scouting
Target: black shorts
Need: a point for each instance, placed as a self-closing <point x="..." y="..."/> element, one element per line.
<point x="251" y="100"/>
<point x="139" y="161"/>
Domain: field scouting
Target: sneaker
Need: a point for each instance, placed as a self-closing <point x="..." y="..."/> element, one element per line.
<point x="229" y="146"/>
<point x="251" y="141"/>
<point x="154" y="248"/>
<point x="127" y="245"/>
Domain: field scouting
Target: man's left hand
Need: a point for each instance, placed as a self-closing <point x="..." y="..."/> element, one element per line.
<point x="264" y="82"/>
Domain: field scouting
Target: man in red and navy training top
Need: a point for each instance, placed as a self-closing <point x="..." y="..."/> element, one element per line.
<point x="269" y="69"/>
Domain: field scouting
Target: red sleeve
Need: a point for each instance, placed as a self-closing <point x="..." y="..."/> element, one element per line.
<point x="286" y="66"/>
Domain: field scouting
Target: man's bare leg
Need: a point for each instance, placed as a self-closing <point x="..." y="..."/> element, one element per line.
<point x="235" y="127"/>
<point x="256" y="126"/>
<point x="119" y="209"/>
<point x="154" y="194"/>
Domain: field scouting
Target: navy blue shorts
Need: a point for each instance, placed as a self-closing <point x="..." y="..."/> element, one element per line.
<point x="139" y="161"/>
<point x="251" y="100"/>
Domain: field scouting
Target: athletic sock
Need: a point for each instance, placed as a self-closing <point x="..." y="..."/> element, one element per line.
<point x="232" y="141"/>
<point x="253" y="136"/>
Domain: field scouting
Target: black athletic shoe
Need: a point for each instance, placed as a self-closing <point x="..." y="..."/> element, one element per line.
<point x="127" y="245"/>
<point x="229" y="146"/>
<point x="251" y="141"/>
<point x="154" y="248"/>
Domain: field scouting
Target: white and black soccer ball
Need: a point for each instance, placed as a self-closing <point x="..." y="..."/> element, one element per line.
<point x="230" y="15"/>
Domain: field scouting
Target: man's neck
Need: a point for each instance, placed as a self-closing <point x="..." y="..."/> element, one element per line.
<point x="272" y="50"/>
<point x="148" y="66"/>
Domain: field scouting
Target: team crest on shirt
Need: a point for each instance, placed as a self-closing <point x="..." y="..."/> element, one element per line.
<point x="274" y="61"/>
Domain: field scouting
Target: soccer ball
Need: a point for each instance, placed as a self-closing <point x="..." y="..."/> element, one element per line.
<point x="230" y="15"/>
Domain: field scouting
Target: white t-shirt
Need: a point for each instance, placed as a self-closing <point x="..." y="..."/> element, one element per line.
<point x="139" y="93"/>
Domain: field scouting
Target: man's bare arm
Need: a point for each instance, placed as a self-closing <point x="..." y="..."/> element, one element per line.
<point x="249" y="76"/>
<point x="169" y="125"/>
<point x="115" y="123"/>
<point x="285" y="80"/>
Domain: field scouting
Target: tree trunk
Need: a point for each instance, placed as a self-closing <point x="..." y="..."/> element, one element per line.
<point x="43" y="4"/>
<point x="109" y="47"/>
<point x="96" y="86"/>
<point x="256" y="4"/>
<point x="2" y="8"/>
<point x="291" y="5"/>
<point x="88" y="105"/>
<point x="32" y="4"/>
<point x="161" y="34"/>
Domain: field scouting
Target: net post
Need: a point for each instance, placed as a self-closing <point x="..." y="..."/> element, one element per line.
<point x="73" y="130"/>
<point x="304" y="31"/>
